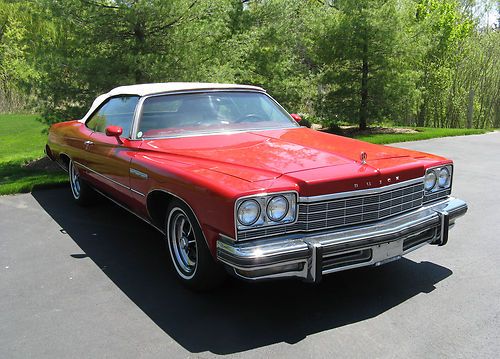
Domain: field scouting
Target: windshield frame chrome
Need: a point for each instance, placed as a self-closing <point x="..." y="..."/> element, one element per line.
<point x="138" y="114"/>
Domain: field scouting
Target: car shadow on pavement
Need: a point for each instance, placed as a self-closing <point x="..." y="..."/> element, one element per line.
<point x="239" y="316"/>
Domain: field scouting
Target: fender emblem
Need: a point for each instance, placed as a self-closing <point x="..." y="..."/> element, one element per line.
<point x="363" y="156"/>
<point x="138" y="173"/>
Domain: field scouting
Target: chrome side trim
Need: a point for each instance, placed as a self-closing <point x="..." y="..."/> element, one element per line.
<point x="60" y="164"/>
<point x="101" y="175"/>
<point x="137" y="192"/>
<point x="62" y="167"/>
<point x="362" y="192"/>
<point x="121" y="205"/>
<point x="110" y="179"/>
<point x="57" y="160"/>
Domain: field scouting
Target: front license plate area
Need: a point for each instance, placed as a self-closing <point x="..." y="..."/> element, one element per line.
<point x="387" y="252"/>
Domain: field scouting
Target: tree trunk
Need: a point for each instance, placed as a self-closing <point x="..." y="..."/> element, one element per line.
<point x="422" y="114"/>
<point x="496" y="121"/>
<point x="139" y="37"/>
<point x="470" y="108"/>
<point x="363" y="108"/>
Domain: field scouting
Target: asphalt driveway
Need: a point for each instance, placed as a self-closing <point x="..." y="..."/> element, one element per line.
<point x="95" y="282"/>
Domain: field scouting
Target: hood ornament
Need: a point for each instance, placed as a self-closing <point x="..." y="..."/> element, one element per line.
<point x="363" y="156"/>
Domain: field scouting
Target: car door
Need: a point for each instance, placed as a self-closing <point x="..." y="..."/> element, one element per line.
<point x="108" y="157"/>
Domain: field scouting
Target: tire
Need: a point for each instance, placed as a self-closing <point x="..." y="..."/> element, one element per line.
<point x="82" y="193"/>
<point x="191" y="258"/>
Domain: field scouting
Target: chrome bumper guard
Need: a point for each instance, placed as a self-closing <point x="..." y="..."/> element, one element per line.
<point x="309" y="256"/>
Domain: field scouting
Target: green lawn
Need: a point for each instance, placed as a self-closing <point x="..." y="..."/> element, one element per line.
<point x="22" y="140"/>
<point x="424" y="133"/>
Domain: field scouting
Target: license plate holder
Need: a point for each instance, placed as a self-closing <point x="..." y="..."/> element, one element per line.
<point x="387" y="252"/>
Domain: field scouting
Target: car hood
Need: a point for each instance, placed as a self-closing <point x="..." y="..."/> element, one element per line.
<point x="299" y="153"/>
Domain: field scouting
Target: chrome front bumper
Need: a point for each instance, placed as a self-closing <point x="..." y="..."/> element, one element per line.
<point x="309" y="256"/>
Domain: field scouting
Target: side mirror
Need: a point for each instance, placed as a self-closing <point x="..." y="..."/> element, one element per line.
<point x="114" y="131"/>
<point x="296" y="117"/>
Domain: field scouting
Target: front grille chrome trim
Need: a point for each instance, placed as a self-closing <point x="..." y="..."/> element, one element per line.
<point x="312" y="253"/>
<point x="361" y="207"/>
<point x="362" y="192"/>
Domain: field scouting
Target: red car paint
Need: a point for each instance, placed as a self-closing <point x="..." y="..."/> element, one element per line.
<point x="211" y="172"/>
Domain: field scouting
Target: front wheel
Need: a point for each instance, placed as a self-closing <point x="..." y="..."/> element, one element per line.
<point x="191" y="258"/>
<point x="82" y="193"/>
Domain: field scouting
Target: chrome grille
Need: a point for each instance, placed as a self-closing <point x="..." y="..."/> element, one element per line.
<point x="437" y="195"/>
<point x="347" y="211"/>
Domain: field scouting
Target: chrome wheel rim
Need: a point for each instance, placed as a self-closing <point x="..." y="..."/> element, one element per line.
<point x="74" y="179"/>
<point x="182" y="242"/>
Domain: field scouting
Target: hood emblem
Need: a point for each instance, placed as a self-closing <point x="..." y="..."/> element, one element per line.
<point x="363" y="156"/>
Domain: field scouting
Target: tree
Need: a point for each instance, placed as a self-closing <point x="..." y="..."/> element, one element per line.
<point x="19" y="28"/>
<point x="364" y="61"/>
<point x="444" y="28"/>
<point x="103" y="44"/>
<point x="409" y="62"/>
<point x="267" y="49"/>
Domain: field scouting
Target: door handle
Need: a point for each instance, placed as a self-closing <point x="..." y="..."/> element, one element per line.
<point x="88" y="144"/>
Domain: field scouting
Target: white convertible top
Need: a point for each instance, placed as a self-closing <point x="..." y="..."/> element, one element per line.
<point x="156" y="88"/>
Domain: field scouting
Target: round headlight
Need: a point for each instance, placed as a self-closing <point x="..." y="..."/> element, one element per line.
<point x="430" y="180"/>
<point x="277" y="208"/>
<point x="248" y="212"/>
<point x="443" y="177"/>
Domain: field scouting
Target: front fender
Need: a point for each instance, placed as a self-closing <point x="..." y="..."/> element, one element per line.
<point x="211" y="195"/>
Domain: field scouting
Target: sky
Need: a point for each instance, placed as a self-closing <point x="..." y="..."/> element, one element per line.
<point x="487" y="11"/>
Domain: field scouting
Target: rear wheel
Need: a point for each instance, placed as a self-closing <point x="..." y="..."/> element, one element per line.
<point x="191" y="258"/>
<point x="82" y="193"/>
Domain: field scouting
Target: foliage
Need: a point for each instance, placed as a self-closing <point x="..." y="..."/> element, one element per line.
<point x="411" y="62"/>
<point x="365" y="62"/>
<point x="106" y="44"/>
<point x="16" y="69"/>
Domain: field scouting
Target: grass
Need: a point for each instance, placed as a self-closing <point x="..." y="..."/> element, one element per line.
<point x="21" y="138"/>
<point x="424" y="133"/>
<point x="21" y="141"/>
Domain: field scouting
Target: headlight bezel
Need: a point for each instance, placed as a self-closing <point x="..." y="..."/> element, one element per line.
<point x="437" y="187"/>
<point x="263" y="220"/>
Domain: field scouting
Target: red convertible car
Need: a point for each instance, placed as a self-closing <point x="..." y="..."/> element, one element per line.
<point x="237" y="185"/>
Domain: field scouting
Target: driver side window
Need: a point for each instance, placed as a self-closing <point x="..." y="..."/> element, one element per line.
<point x="117" y="111"/>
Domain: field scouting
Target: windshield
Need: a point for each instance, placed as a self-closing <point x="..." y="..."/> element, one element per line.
<point x="210" y="112"/>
